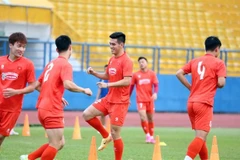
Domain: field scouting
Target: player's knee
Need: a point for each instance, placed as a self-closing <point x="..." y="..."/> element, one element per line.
<point x="85" y="115"/>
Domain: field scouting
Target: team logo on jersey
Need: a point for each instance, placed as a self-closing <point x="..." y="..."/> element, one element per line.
<point x="19" y="68"/>
<point x="112" y="71"/>
<point x="144" y="81"/>
<point x="2" y="66"/>
<point x="9" y="76"/>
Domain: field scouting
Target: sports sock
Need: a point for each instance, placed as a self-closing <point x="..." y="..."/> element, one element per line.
<point x="151" y="128"/>
<point x="49" y="153"/>
<point x="37" y="153"/>
<point x="145" y="126"/>
<point x="195" y="147"/>
<point x="204" y="152"/>
<point x="118" y="149"/>
<point x="95" y="123"/>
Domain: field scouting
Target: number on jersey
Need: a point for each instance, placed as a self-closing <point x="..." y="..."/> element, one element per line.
<point x="46" y="75"/>
<point x="201" y="70"/>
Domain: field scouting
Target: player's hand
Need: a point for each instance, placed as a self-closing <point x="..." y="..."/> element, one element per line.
<point x="102" y="85"/>
<point x="64" y="102"/>
<point x="154" y="96"/>
<point x="90" y="70"/>
<point x="9" y="92"/>
<point x="87" y="91"/>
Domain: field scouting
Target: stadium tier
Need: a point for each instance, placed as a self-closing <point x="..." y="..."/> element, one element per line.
<point x="180" y="23"/>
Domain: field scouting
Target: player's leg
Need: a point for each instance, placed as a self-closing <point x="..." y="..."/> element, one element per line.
<point x="90" y="116"/>
<point x="103" y="120"/>
<point x="202" y="121"/>
<point x="55" y="138"/>
<point x="150" y="112"/>
<point x="117" y="115"/>
<point x="144" y="122"/>
<point x="7" y="121"/>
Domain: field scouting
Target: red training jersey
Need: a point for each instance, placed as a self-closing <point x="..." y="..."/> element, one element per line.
<point x="52" y="87"/>
<point x="14" y="74"/>
<point x="205" y="71"/>
<point x="118" y="68"/>
<point x="144" y="85"/>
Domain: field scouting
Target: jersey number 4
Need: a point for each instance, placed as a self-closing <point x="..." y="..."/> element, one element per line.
<point x="201" y="70"/>
<point x="46" y="75"/>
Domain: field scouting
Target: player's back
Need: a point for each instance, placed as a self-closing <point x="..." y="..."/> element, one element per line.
<point x="51" y="80"/>
<point x="205" y="71"/>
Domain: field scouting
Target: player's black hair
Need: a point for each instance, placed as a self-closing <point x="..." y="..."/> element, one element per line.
<point x="142" y="58"/>
<point x="63" y="42"/>
<point x="106" y="65"/>
<point x="17" y="37"/>
<point x="212" y="43"/>
<point x="119" y="36"/>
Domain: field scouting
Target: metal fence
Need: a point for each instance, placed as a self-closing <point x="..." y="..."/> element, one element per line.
<point x="89" y="54"/>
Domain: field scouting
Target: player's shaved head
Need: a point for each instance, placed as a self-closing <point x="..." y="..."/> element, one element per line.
<point x="17" y="37"/>
<point x="211" y="43"/>
<point x="63" y="42"/>
<point x="119" y="36"/>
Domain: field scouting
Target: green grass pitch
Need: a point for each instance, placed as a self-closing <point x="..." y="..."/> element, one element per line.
<point x="177" y="140"/>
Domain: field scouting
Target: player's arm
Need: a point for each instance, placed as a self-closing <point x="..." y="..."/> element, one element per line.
<point x="96" y="74"/>
<point x="133" y="82"/>
<point x="38" y="86"/>
<point x="30" y="88"/>
<point x="71" y="86"/>
<point x="9" y="92"/>
<point x="126" y="81"/>
<point x="221" y="82"/>
<point x="98" y="93"/>
<point x="181" y="76"/>
<point x="221" y="73"/>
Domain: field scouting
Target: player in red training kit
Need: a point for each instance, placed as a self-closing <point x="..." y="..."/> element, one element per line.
<point x="208" y="73"/>
<point x="145" y="80"/>
<point x="16" y="72"/>
<point x="56" y="77"/>
<point x="116" y="102"/>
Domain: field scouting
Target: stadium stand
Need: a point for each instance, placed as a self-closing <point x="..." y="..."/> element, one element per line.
<point x="154" y="23"/>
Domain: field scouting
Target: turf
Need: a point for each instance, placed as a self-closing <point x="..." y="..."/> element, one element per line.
<point x="177" y="140"/>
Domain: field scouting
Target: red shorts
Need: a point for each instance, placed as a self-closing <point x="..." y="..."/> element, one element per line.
<point x="147" y="106"/>
<point x="50" y="120"/>
<point x="117" y="111"/>
<point x="200" y="115"/>
<point x="7" y="122"/>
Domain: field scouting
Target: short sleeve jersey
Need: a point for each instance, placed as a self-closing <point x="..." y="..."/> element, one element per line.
<point x="14" y="74"/>
<point x="118" y="68"/>
<point x="144" y="82"/>
<point x="52" y="88"/>
<point x="205" y="71"/>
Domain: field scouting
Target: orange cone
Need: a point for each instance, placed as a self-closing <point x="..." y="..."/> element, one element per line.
<point x="214" y="151"/>
<point x="157" y="150"/>
<point x="93" y="149"/>
<point x="76" y="131"/>
<point x="26" y="128"/>
<point x="108" y="125"/>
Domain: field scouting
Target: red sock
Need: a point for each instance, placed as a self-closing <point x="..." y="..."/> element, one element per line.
<point x="95" y="123"/>
<point x="118" y="149"/>
<point x="145" y="126"/>
<point x="204" y="152"/>
<point x="38" y="153"/>
<point x="195" y="147"/>
<point x="151" y="128"/>
<point x="49" y="153"/>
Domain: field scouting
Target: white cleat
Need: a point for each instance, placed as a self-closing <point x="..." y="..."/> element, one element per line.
<point x="24" y="157"/>
<point x="13" y="133"/>
<point x="105" y="142"/>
